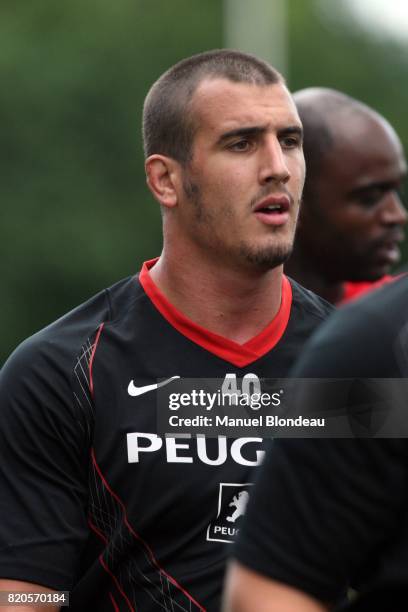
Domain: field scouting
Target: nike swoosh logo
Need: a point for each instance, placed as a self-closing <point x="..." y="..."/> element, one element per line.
<point x="135" y="391"/>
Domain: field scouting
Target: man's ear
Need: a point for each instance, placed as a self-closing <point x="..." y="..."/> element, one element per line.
<point x="162" y="174"/>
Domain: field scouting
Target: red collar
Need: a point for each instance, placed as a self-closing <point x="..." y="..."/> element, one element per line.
<point x="353" y="290"/>
<point x="239" y="355"/>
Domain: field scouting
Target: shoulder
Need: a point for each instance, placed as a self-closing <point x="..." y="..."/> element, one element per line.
<point x="47" y="358"/>
<point x="308" y="304"/>
<point x="367" y="338"/>
<point x="353" y="290"/>
<point x="61" y="340"/>
<point x="387" y="306"/>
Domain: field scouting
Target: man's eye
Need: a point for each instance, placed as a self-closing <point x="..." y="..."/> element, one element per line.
<point x="241" y="145"/>
<point x="370" y="197"/>
<point x="290" y="142"/>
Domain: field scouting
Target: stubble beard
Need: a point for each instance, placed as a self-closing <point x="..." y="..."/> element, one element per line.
<point x="266" y="258"/>
<point x="261" y="258"/>
<point x="272" y="255"/>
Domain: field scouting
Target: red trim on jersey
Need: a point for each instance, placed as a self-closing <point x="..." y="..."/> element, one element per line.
<point x="153" y="559"/>
<point x="105" y="567"/>
<point x="114" y="604"/>
<point x="98" y="532"/>
<point x="95" y="346"/>
<point x="239" y="355"/>
<point x="353" y="290"/>
<point x="116" y="581"/>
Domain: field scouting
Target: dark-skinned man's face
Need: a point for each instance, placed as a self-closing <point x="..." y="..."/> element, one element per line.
<point x="352" y="223"/>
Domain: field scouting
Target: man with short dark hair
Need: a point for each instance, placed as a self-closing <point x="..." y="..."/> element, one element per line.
<point x="352" y="216"/>
<point x="94" y="499"/>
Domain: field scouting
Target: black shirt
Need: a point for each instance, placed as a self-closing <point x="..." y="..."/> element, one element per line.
<point x="92" y="499"/>
<point x="329" y="513"/>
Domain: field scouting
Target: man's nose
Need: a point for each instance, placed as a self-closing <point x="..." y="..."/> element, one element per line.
<point x="394" y="211"/>
<point x="273" y="163"/>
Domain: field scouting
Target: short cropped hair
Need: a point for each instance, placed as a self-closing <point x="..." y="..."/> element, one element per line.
<point x="168" y="124"/>
<point x="318" y="141"/>
<point x="320" y="110"/>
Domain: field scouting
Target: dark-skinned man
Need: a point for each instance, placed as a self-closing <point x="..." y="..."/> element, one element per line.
<point x="352" y="216"/>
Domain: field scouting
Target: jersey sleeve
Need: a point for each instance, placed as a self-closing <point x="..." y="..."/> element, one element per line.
<point x="45" y="429"/>
<point x="322" y="511"/>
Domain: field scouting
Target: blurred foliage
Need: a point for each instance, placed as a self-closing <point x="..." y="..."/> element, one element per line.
<point x="329" y="48"/>
<point x="75" y="213"/>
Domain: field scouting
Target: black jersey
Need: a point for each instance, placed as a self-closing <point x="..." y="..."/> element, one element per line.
<point x="92" y="499"/>
<point x="329" y="513"/>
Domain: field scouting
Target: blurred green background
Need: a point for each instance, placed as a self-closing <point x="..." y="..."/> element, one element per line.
<point x="75" y="212"/>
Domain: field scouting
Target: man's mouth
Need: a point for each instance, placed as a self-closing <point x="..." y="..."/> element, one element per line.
<point x="273" y="210"/>
<point x="389" y="251"/>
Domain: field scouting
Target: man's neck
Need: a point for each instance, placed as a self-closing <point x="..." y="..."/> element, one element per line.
<point x="233" y="303"/>
<point x="302" y="270"/>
